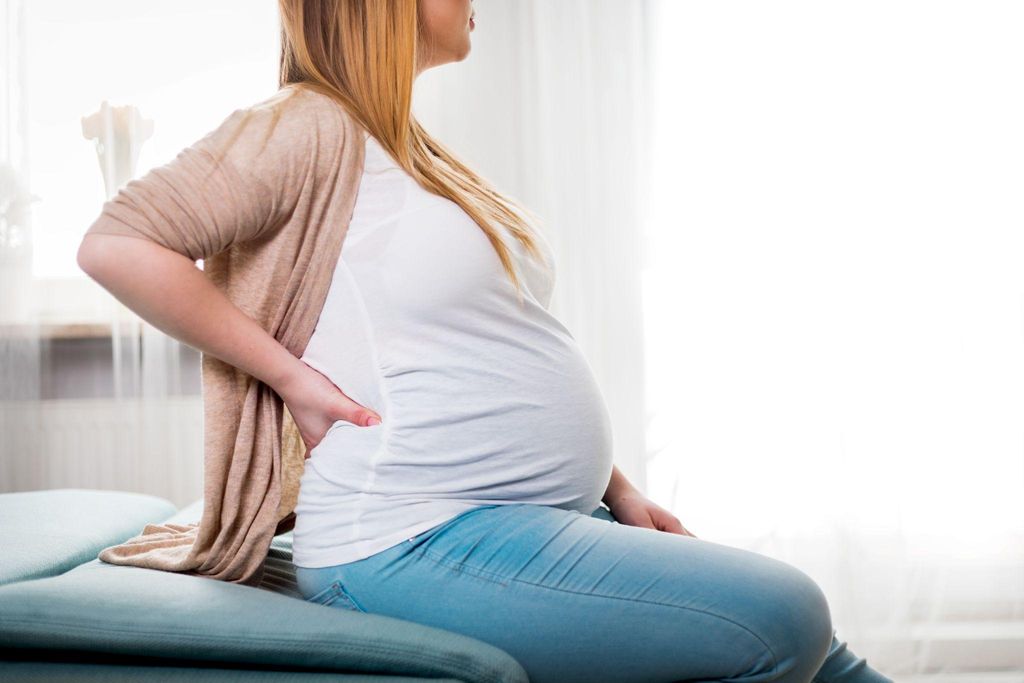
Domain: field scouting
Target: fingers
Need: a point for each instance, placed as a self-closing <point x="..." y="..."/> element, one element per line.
<point x="362" y="416"/>
<point x="672" y="525"/>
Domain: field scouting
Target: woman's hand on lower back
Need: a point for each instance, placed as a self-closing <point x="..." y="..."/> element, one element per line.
<point x="635" y="509"/>
<point x="316" y="403"/>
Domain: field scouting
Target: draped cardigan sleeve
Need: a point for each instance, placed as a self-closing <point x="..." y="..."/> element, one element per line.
<point x="265" y="200"/>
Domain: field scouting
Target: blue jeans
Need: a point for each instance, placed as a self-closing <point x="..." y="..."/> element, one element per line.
<point x="583" y="598"/>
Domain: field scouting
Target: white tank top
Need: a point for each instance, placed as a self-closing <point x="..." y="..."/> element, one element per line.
<point x="483" y="401"/>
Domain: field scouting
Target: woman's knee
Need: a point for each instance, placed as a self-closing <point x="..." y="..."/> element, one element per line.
<point x="802" y="634"/>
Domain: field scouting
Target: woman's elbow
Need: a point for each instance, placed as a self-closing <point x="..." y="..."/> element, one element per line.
<point x="98" y="253"/>
<point x="90" y="254"/>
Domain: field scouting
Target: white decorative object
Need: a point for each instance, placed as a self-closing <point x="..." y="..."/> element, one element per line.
<point x="119" y="133"/>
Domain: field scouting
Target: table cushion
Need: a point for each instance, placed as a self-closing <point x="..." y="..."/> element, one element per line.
<point x="47" y="532"/>
<point x="131" y="611"/>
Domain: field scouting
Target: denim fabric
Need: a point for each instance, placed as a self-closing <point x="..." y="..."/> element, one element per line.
<point x="583" y="598"/>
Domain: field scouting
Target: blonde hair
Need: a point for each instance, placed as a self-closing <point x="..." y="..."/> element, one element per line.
<point x="362" y="53"/>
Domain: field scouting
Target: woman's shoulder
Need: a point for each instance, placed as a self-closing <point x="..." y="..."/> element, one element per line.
<point x="302" y="106"/>
<point x="295" y="125"/>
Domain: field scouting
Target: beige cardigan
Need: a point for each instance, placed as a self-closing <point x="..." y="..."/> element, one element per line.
<point x="266" y="204"/>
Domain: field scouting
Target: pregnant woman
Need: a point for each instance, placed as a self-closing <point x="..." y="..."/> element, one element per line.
<point x="459" y="447"/>
<point x="475" y="504"/>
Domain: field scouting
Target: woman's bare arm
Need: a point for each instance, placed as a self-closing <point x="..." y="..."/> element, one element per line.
<point x="618" y="487"/>
<point x="167" y="290"/>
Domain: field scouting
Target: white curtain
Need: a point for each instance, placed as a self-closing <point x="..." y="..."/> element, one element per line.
<point x="91" y="396"/>
<point x="834" y="306"/>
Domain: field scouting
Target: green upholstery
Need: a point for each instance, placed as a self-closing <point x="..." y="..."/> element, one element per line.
<point x="39" y="672"/>
<point x="102" y="621"/>
<point x="45" y="533"/>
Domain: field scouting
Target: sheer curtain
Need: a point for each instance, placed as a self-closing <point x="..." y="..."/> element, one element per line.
<point x="91" y="396"/>
<point x="834" y="302"/>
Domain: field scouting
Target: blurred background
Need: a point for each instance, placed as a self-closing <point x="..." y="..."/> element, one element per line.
<point x="790" y="239"/>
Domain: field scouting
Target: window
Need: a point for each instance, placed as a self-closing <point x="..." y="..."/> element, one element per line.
<point x="185" y="65"/>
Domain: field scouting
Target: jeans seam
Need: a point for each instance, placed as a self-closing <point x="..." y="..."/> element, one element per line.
<point x="502" y="580"/>
<point x="335" y="592"/>
<point x="324" y="596"/>
<point x="344" y="596"/>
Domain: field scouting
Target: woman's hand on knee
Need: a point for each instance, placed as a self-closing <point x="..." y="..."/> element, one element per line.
<point x="636" y="509"/>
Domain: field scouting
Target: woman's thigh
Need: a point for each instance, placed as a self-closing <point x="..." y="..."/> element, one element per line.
<point x="579" y="598"/>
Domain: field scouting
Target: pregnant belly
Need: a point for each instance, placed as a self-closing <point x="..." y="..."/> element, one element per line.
<point x="537" y="434"/>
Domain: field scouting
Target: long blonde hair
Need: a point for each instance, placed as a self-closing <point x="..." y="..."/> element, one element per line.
<point x="362" y="53"/>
